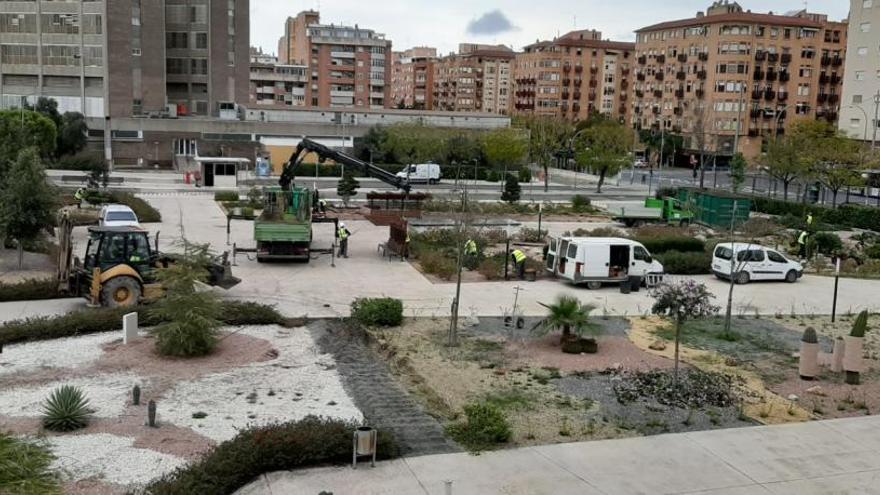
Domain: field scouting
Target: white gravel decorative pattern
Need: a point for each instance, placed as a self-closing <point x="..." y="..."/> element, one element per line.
<point x="300" y="382"/>
<point x="69" y="352"/>
<point x="110" y="457"/>
<point x="107" y="394"/>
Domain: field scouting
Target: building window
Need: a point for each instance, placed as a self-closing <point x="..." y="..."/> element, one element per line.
<point x="855" y="122"/>
<point x="860" y="75"/>
<point x="862" y="51"/>
<point x="136" y="52"/>
<point x="856" y="99"/>
<point x="865" y="27"/>
<point x="803" y="90"/>
<point x="867" y="4"/>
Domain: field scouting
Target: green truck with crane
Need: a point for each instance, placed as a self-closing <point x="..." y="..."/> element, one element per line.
<point x="666" y="210"/>
<point x="283" y="231"/>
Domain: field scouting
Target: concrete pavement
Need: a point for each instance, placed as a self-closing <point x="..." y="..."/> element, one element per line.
<point x="823" y="457"/>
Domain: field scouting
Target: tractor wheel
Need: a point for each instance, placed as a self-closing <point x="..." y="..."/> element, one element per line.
<point x="121" y="292"/>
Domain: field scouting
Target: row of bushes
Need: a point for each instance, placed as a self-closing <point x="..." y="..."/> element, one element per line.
<point x="579" y="205"/>
<point x="686" y="263"/>
<point x="312" y="441"/>
<point x="143" y="210"/>
<point x="860" y="217"/>
<point x="447" y="172"/>
<point x="30" y="290"/>
<point x="90" y="321"/>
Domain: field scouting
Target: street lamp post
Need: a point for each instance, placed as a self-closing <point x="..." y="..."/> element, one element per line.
<point x="779" y="116"/>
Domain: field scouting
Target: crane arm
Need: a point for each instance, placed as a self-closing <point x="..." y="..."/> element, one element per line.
<point x="307" y="146"/>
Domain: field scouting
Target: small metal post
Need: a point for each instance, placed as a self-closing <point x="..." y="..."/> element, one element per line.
<point x="540" y="216"/>
<point x="507" y="259"/>
<point x="836" y="282"/>
<point x="228" y="227"/>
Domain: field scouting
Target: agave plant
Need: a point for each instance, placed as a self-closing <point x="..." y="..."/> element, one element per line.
<point x="67" y="409"/>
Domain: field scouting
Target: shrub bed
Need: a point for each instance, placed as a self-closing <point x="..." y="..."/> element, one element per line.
<point x="688" y="263"/>
<point x="226" y="196"/>
<point x="660" y="245"/>
<point x="381" y="312"/>
<point x="30" y="290"/>
<point x="25" y="467"/>
<point x="438" y="263"/>
<point x="233" y="464"/>
<point x="862" y="217"/>
<point x="101" y="320"/>
<point x="486" y="427"/>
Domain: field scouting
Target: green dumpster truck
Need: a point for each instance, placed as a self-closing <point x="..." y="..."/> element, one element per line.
<point x="284" y="230"/>
<point x="666" y="210"/>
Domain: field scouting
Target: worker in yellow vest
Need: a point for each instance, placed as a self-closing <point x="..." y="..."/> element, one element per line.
<point x="519" y="262"/>
<point x="79" y="195"/>
<point x="343" y="233"/>
<point x="802" y="243"/>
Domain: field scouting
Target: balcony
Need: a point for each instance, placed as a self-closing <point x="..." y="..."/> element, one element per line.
<point x="700" y="93"/>
<point x="826" y="60"/>
<point x="681" y="75"/>
<point x="781" y="97"/>
<point x="594" y="83"/>
<point x="835" y="79"/>
<point x="701" y="75"/>
<point x="677" y="111"/>
<point x="758" y="75"/>
<point x="594" y="70"/>
<point x="767" y="114"/>
<point x="566" y="67"/>
<point x="772" y="75"/>
<point x="576" y="108"/>
<point x="592" y="95"/>
<point x="624" y="84"/>
<point x="822" y="97"/>
<point x="658" y="76"/>
<point x="640" y="93"/>
<point x="658" y="93"/>
<point x="760" y="56"/>
<point x="577" y="95"/>
<point x="637" y="110"/>
<point x="578" y="68"/>
<point x="679" y="93"/>
<point x="757" y="94"/>
<point x="769" y="95"/>
<point x="755" y="113"/>
<point x="682" y="57"/>
<point x="661" y="59"/>
<point x="642" y="60"/>
<point x="566" y="81"/>
<point x="624" y="72"/>
<point x="833" y="99"/>
<point x="823" y="79"/>
<point x="703" y="57"/>
<point x="785" y="58"/>
<point x="836" y="62"/>
<point x="565" y="95"/>
<point x="784" y="76"/>
<point x="655" y="110"/>
<point x="640" y="77"/>
<point x="753" y="132"/>
<point x="624" y="96"/>
<point x="773" y="58"/>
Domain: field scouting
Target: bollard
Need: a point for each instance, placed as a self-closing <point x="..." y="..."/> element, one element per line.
<point x="151" y="414"/>
<point x="136" y="396"/>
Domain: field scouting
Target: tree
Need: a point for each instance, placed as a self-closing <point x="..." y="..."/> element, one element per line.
<point x="373" y="146"/>
<point x="569" y="315"/>
<point x="682" y="301"/>
<point x="834" y="160"/>
<point x="700" y="136"/>
<point x="347" y="187"/>
<point x="655" y="142"/>
<point x="462" y="148"/>
<point x="505" y="147"/>
<point x="49" y="108"/>
<point x="738" y="167"/>
<point x="512" y="189"/>
<point x="605" y="147"/>
<point x="548" y="136"/>
<point x="413" y="143"/>
<point x="784" y="162"/>
<point x="20" y="129"/>
<point x="27" y="201"/>
<point x="72" y="134"/>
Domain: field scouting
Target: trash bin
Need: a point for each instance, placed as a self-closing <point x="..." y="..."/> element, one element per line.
<point x="625" y="287"/>
<point x="531" y="275"/>
<point x="635" y="283"/>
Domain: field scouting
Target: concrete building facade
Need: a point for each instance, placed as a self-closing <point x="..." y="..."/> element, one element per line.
<point x="412" y="78"/>
<point x="574" y="76"/>
<point x="126" y="57"/>
<point x="729" y="77"/>
<point x="476" y="79"/>
<point x="860" y="112"/>
<point x="275" y="85"/>
<point x="348" y="67"/>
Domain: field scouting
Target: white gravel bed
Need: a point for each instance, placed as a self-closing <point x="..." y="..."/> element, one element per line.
<point x="300" y="382"/>
<point x="110" y="457"/>
<point x="69" y="352"/>
<point x="108" y="395"/>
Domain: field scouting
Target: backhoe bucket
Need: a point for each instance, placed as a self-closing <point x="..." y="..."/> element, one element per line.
<point x="221" y="274"/>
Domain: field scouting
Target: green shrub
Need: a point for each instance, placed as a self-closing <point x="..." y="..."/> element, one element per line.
<point x="525" y="175"/>
<point x="25" y="467"/>
<point x="226" y="196"/>
<point x="143" y="210"/>
<point x="190" y="328"/>
<point x="580" y="203"/>
<point x="861" y="217"/>
<point x="659" y="245"/>
<point x="689" y="263"/>
<point x="527" y="234"/>
<point x="438" y="263"/>
<point x="827" y="242"/>
<point x="82" y="163"/>
<point x="596" y="232"/>
<point x="492" y="267"/>
<point x="381" y="312"/>
<point x="102" y="320"/>
<point x="486" y="427"/>
<point x="312" y="441"/>
<point x="29" y="290"/>
<point x="873" y="252"/>
<point x="67" y="409"/>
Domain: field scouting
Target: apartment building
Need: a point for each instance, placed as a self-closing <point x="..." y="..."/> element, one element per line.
<point x="730" y="77"/>
<point x="348" y="66"/>
<point x="278" y="86"/>
<point x="574" y="76"/>
<point x="412" y="78"/>
<point x="125" y="57"/>
<point x="861" y="80"/>
<point x="476" y="79"/>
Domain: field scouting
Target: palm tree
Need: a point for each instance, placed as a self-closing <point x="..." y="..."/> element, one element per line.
<point x="569" y="315"/>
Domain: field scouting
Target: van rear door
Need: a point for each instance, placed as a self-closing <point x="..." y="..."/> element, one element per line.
<point x="595" y="261"/>
<point x="551" y="255"/>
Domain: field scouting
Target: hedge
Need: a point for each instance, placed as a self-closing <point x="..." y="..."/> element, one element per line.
<point x="102" y="320"/>
<point x="662" y="244"/>
<point x="234" y="463"/>
<point x="860" y="217"/>
<point x="143" y="210"/>
<point x="226" y="196"/>
<point x="30" y="290"/>
<point x="691" y="263"/>
<point x="383" y="312"/>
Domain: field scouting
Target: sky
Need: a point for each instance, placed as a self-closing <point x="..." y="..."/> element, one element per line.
<point x="444" y="24"/>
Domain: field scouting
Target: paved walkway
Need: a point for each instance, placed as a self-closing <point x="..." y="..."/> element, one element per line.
<point x="823" y="457"/>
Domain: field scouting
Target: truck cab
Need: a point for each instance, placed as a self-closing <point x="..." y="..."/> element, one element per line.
<point x="591" y="261"/>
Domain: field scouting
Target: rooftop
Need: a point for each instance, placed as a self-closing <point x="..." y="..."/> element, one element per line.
<point x="745" y="17"/>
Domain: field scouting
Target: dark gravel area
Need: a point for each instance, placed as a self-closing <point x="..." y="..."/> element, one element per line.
<point x="377" y="394"/>
<point x="646" y="415"/>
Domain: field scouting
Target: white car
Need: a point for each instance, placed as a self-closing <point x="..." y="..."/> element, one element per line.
<point x="749" y="262"/>
<point x="118" y="216"/>
<point x="640" y="163"/>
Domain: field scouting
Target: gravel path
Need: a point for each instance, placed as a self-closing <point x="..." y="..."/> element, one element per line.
<point x="107" y="394"/>
<point x="384" y="403"/>
<point x="60" y="353"/>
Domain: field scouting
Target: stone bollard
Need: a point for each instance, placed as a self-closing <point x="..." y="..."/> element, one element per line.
<point x="808" y="367"/>
<point x="129" y="328"/>
<point x="136" y="396"/>
<point x="838" y="355"/>
<point x="151" y="414"/>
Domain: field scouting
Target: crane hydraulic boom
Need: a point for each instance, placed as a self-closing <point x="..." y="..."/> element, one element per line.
<point x="307" y="146"/>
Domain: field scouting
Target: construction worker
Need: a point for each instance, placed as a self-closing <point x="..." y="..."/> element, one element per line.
<point x="519" y="262"/>
<point x="802" y="243"/>
<point x="343" y="233"/>
<point x="79" y="195"/>
<point x="322" y="205"/>
<point x="470" y="248"/>
<point x="809" y="221"/>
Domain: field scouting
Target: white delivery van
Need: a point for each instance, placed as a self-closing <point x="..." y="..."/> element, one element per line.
<point x="749" y="261"/>
<point x="594" y="260"/>
<point x="422" y="172"/>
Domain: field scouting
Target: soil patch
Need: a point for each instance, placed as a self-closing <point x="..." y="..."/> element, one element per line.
<point x="614" y="352"/>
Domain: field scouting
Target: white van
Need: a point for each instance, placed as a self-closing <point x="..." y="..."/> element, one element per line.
<point x="423" y="172"/>
<point x="753" y="262"/>
<point x="594" y="260"/>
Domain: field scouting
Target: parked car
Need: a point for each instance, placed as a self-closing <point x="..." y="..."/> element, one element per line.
<point x="594" y="260"/>
<point x="640" y="163"/>
<point x="118" y="216"/>
<point x="749" y="262"/>
<point x="423" y="172"/>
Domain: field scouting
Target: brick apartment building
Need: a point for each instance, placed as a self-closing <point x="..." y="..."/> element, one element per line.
<point x="277" y="85"/>
<point x="573" y="76"/>
<point x="347" y="66"/>
<point x="476" y="79"/>
<point x="861" y="81"/>
<point x="125" y="57"/>
<point x="412" y="78"/>
<point x="728" y="69"/>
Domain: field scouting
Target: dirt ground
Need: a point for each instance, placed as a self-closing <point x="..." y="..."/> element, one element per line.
<point x="36" y="266"/>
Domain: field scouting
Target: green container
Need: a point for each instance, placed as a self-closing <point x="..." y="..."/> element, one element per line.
<point x="716" y="208"/>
